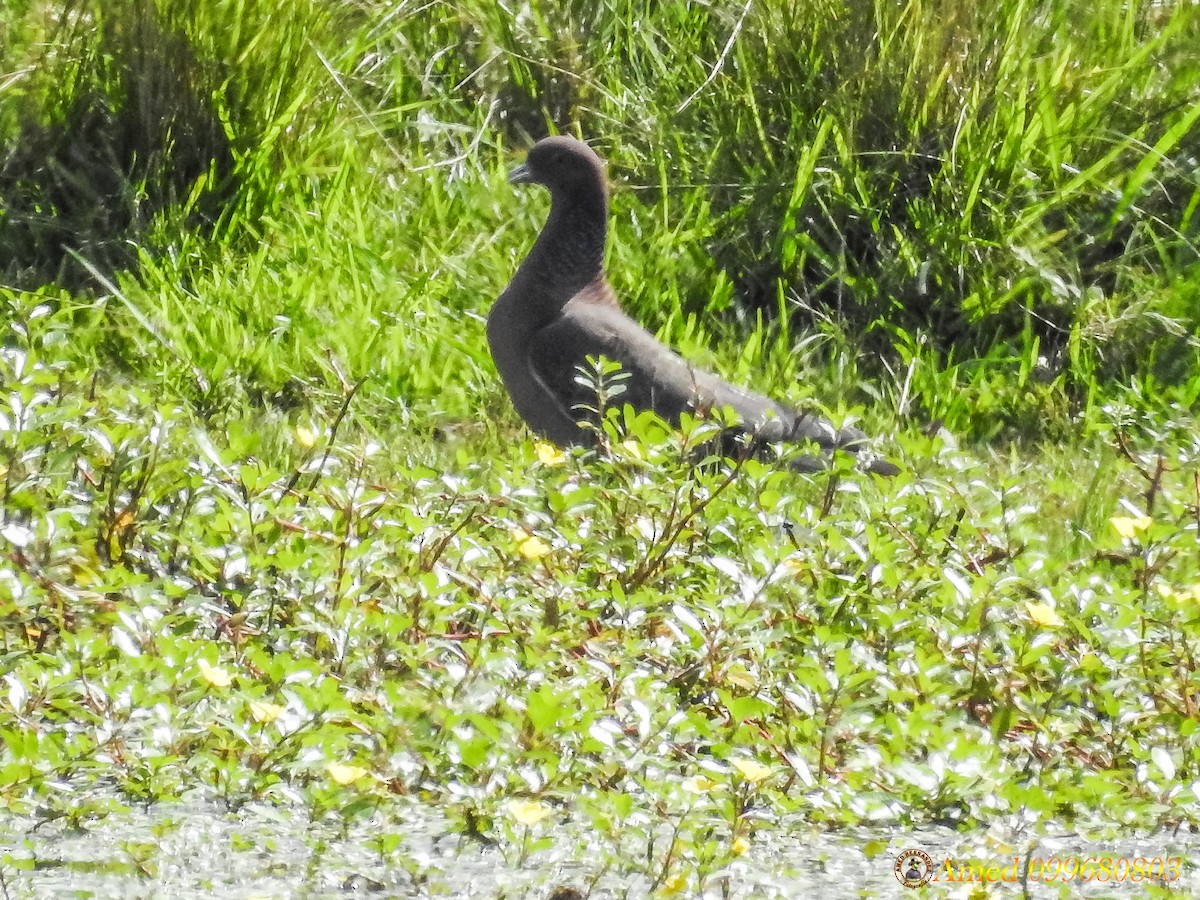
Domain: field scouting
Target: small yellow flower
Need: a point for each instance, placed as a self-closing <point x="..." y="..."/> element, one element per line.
<point x="549" y="455"/>
<point x="262" y="712"/>
<point x="740" y="846"/>
<point x="1129" y="527"/>
<point x="214" y="675"/>
<point x="305" y="436"/>
<point x="700" y="784"/>
<point x="673" y="886"/>
<point x="345" y="774"/>
<point x="1180" y="597"/>
<point x="633" y="448"/>
<point x="533" y="548"/>
<point x="1043" y="615"/>
<point x="526" y="812"/>
<point x="751" y="770"/>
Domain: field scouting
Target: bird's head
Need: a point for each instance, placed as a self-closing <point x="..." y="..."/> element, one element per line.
<point x="569" y="168"/>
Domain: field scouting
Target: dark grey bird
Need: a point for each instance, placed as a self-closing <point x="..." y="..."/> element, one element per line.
<point x="559" y="309"/>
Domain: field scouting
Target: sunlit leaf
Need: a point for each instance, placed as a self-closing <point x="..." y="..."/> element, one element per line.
<point x="125" y="642"/>
<point x="17" y="535"/>
<point x="1162" y="759"/>
<point x="961" y="584"/>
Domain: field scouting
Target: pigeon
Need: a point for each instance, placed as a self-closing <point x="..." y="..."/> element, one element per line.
<point x="559" y="310"/>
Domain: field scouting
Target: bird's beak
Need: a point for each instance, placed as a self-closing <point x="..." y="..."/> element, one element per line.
<point x="521" y="175"/>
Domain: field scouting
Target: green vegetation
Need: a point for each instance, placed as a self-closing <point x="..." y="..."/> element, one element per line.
<point x="271" y="530"/>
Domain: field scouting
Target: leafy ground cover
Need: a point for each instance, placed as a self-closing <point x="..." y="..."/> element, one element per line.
<point x="272" y="534"/>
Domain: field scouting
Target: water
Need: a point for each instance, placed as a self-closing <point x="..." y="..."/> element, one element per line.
<point x="194" y="850"/>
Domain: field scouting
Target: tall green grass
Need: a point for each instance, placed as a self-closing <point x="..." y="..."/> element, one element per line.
<point x="124" y="113"/>
<point x="998" y="196"/>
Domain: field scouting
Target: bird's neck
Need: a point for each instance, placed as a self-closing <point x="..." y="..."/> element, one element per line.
<point x="569" y="253"/>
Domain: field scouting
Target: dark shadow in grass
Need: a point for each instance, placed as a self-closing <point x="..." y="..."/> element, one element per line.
<point x="121" y="126"/>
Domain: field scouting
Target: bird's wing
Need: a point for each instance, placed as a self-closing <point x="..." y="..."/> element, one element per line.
<point x="655" y="377"/>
